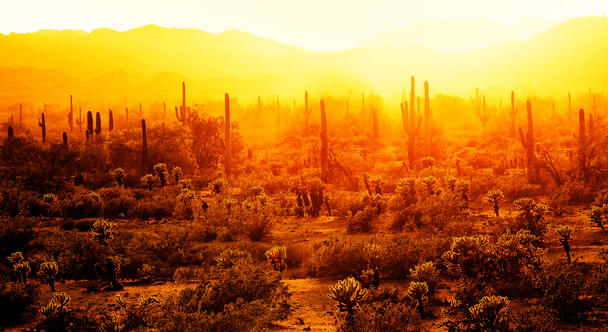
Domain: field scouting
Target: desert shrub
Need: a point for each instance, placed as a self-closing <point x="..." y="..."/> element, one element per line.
<point x="336" y="257"/>
<point x="346" y="203"/>
<point x="242" y="297"/>
<point x="157" y="207"/>
<point x="515" y="186"/>
<point x="82" y="204"/>
<point x="562" y="289"/>
<point x="383" y="310"/>
<point x="598" y="285"/>
<point x="17" y="301"/>
<point x="118" y="202"/>
<point x="534" y="319"/>
<point x="252" y="218"/>
<point x="185" y="206"/>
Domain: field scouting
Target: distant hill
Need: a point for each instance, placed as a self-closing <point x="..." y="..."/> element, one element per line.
<point x="147" y="64"/>
<point x="459" y="36"/>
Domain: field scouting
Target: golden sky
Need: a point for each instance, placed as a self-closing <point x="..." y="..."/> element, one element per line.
<point x="323" y="25"/>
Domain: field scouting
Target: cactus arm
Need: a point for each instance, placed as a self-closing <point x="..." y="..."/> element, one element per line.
<point x="522" y="137"/>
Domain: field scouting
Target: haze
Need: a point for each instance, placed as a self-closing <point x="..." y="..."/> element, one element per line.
<point x="316" y="25"/>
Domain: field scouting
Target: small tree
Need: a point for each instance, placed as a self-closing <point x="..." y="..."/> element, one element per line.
<point x="495" y="197"/>
<point x="48" y="271"/>
<point x="160" y="170"/>
<point x="417" y="292"/>
<point x="147" y="181"/>
<point x="597" y="215"/>
<point x="565" y="235"/>
<point x="347" y="293"/>
<point x="276" y="256"/>
<point x="119" y="175"/>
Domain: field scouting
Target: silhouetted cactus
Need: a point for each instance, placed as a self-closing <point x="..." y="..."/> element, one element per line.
<point x="64" y="137"/>
<point x="144" y="147"/>
<point x="87" y="133"/>
<point x="495" y="197"/>
<point x="79" y="121"/>
<point x="512" y="114"/>
<point x="42" y="124"/>
<point x="10" y="133"/>
<point x="182" y="116"/>
<point x="227" y="136"/>
<point x="71" y="116"/>
<point x="527" y="141"/>
<point x="565" y="235"/>
<point x="177" y="173"/>
<point x="48" y="271"/>
<point x="90" y="122"/>
<point x="409" y="123"/>
<point x="276" y="256"/>
<point x="97" y="123"/>
<point x="324" y="144"/>
<point x="110" y="120"/>
<point x="428" y="139"/>
<point x="417" y="292"/>
<point x="481" y="111"/>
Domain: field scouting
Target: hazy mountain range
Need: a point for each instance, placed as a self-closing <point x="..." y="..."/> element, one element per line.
<point x="148" y="63"/>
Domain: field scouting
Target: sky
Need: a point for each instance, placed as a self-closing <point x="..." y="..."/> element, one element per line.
<point x="321" y="25"/>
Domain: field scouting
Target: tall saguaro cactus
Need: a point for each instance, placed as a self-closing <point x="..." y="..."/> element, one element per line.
<point x="79" y="121"/>
<point x="527" y="141"/>
<point x="409" y="123"/>
<point x="324" y="144"/>
<point x="65" y="139"/>
<point x="42" y="124"/>
<point x="97" y="123"/>
<point x="481" y="111"/>
<point x="144" y="147"/>
<point x="427" y="120"/>
<point x="512" y="113"/>
<point x="227" y="136"/>
<point x="90" y="122"/>
<point x="582" y="143"/>
<point x="71" y="116"/>
<point x="182" y="115"/>
<point x="20" y="116"/>
<point x="307" y="111"/>
<point x="110" y="120"/>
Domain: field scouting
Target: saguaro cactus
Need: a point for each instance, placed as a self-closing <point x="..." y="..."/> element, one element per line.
<point x="513" y="113"/>
<point x="527" y="141"/>
<point x="228" y="143"/>
<point x="427" y="120"/>
<point x="110" y="120"/>
<point x="90" y="122"/>
<point x="481" y="111"/>
<point x="65" y="139"/>
<point x="71" y="116"/>
<point x="97" y="123"/>
<point x="375" y="126"/>
<point x="127" y="116"/>
<point x="324" y="144"/>
<point x="409" y="123"/>
<point x="42" y="124"/>
<point x="306" y="114"/>
<point x="79" y="121"/>
<point x="181" y="116"/>
<point x="20" y="116"/>
<point x="10" y="133"/>
<point x="144" y="147"/>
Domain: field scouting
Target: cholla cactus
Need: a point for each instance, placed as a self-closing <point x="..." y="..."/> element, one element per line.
<point x="276" y="256"/>
<point x="417" y="292"/>
<point x="531" y="215"/>
<point x="450" y="182"/>
<point x="465" y="255"/>
<point x="565" y="235"/>
<point x="597" y="215"/>
<point x="48" y="271"/>
<point x="347" y="293"/>
<point x="119" y="175"/>
<point x="491" y="313"/>
<point x="495" y="197"/>
<point x="147" y="181"/>
<point x="57" y="305"/>
<point x="177" y="173"/>
<point x="377" y="183"/>
<point x="23" y="268"/>
<point x="160" y="170"/>
<point x="429" y="182"/>
<point x="101" y="231"/>
<point x="406" y="187"/>
<point x="185" y="184"/>
<point x="426" y="272"/>
<point x="16" y="257"/>
<point x="216" y="186"/>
